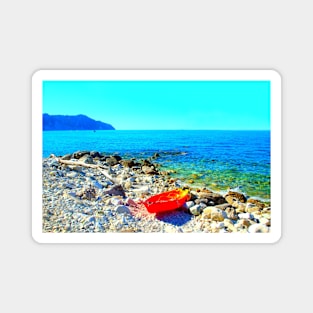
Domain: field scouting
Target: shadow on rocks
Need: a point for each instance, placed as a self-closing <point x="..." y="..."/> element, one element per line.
<point x="176" y="218"/>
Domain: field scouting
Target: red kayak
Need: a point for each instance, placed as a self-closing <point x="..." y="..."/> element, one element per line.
<point x="167" y="201"/>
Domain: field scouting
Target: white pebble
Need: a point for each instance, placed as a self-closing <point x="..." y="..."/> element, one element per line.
<point x="245" y="215"/>
<point x="187" y="205"/>
<point x="72" y="174"/>
<point x="116" y="201"/>
<point x="196" y="209"/>
<point x="220" y="225"/>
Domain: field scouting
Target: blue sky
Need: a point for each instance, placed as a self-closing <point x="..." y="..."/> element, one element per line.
<point x="136" y="105"/>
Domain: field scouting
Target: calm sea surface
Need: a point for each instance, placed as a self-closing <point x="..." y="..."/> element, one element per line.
<point x="219" y="160"/>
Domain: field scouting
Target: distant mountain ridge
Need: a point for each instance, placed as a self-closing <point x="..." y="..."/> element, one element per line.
<point x="72" y="122"/>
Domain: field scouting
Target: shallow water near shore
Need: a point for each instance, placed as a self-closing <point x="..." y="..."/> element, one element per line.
<point x="219" y="160"/>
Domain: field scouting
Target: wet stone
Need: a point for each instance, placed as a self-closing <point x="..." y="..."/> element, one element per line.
<point x="233" y="195"/>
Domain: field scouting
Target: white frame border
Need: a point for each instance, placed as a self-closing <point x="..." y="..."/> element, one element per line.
<point x="222" y="75"/>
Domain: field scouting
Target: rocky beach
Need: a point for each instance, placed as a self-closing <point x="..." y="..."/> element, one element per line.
<point x="87" y="192"/>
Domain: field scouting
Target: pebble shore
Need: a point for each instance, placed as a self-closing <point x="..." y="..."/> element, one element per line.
<point x="87" y="191"/>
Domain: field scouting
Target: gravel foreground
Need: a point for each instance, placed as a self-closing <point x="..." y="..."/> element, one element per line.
<point x="91" y="192"/>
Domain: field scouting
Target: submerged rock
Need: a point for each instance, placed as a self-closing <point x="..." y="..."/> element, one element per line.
<point x="156" y="155"/>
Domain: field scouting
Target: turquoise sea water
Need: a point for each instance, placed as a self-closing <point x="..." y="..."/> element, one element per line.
<point x="219" y="160"/>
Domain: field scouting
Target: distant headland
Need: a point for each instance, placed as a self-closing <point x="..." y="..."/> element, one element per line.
<point x="72" y="122"/>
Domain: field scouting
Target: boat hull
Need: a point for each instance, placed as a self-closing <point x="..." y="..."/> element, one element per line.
<point x="166" y="201"/>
